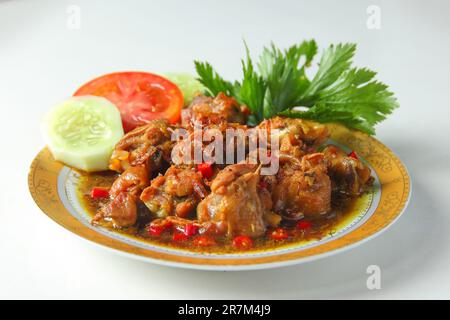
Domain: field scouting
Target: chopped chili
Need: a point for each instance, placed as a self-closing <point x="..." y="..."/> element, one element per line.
<point x="99" y="193"/>
<point x="190" y="229"/>
<point x="206" y="170"/>
<point x="243" y="242"/>
<point x="304" y="225"/>
<point x="156" y="230"/>
<point x="353" y="155"/>
<point x="178" y="236"/>
<point x="279" y="234"/>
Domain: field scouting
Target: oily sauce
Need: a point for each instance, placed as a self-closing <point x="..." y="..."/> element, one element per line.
<point x="344" y="212"/>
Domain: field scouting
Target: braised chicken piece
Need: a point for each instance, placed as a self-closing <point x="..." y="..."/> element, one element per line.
<point x="234" y="206"/>
<point x="183" y="151"/>
<point x="122" y="210"/>
<point x="149" y="145"/>
<point x="177" y="192"/>
<point x="133" y="180"/>
<point x="297" y="137"/>
<point x="349" y="175"/>
<point x="208" y="110"/>
<point x="303" y="188"/>
<point x="124" y="193"/>
<point x="209" y="226"/>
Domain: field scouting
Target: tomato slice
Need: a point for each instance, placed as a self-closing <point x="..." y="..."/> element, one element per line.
<point x="139" y="96"/>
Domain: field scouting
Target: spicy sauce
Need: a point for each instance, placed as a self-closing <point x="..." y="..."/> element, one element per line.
<point x="344" y="212"/>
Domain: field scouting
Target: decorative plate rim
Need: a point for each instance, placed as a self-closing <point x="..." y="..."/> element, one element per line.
<point x="395" y="194"/>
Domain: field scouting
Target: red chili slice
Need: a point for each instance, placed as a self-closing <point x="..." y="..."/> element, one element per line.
<point x="206" y="170"/>
<point x="304" y="225"/>
<point x="190" y="229"/>
<point x="178" y="236"/>
<point x="353" y="155"/>
<point x="279" y="234"/>
<point x="99" y="193"/>
<point x="156" y="230"/>
<point x="243" y="242"/>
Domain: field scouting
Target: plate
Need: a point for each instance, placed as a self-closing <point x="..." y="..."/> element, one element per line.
<point x="53" y="187"/>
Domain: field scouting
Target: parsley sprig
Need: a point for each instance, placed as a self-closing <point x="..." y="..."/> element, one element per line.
<point x="278" y="84"/>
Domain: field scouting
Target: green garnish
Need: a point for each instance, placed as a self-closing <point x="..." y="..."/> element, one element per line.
<point x="336" y="93"/>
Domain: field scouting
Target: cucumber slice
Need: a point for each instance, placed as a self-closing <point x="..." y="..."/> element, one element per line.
<point x="188" y="85"/>
<point x="82" y="132"/>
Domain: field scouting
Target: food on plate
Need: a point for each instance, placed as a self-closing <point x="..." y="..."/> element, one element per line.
<point x="82" y="132"/>
<point x="176" y="193"/>
<point x="139" y="96"/>
<point x="122" y="210"/>
<point x="233" y="207"/>
<point x="213" y="110"/>
<point x="156" y="188"/>
<point x="350" y="174"/>
<point x="148" y="145"/>
<point x="303" y="187"/>
<point x="296" y="136"/>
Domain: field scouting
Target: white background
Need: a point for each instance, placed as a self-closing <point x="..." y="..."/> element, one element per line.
<point x="42" y="62"/>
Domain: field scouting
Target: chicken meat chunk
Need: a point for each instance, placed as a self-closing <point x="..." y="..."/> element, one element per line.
<point x="234" y="206"/>
<point x="184" y="149"/>
<point x="149" y="145"/>
<point x="176" y="193"/>
<point x="122" y="209"/>
<point x="302" y="188"/>
<point x="213" y="110"/>
<point x="348" y="174"/>
<point x="297" y="137"/>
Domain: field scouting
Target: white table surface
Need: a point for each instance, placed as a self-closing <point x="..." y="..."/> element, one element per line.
<point x="42" y="62"/>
